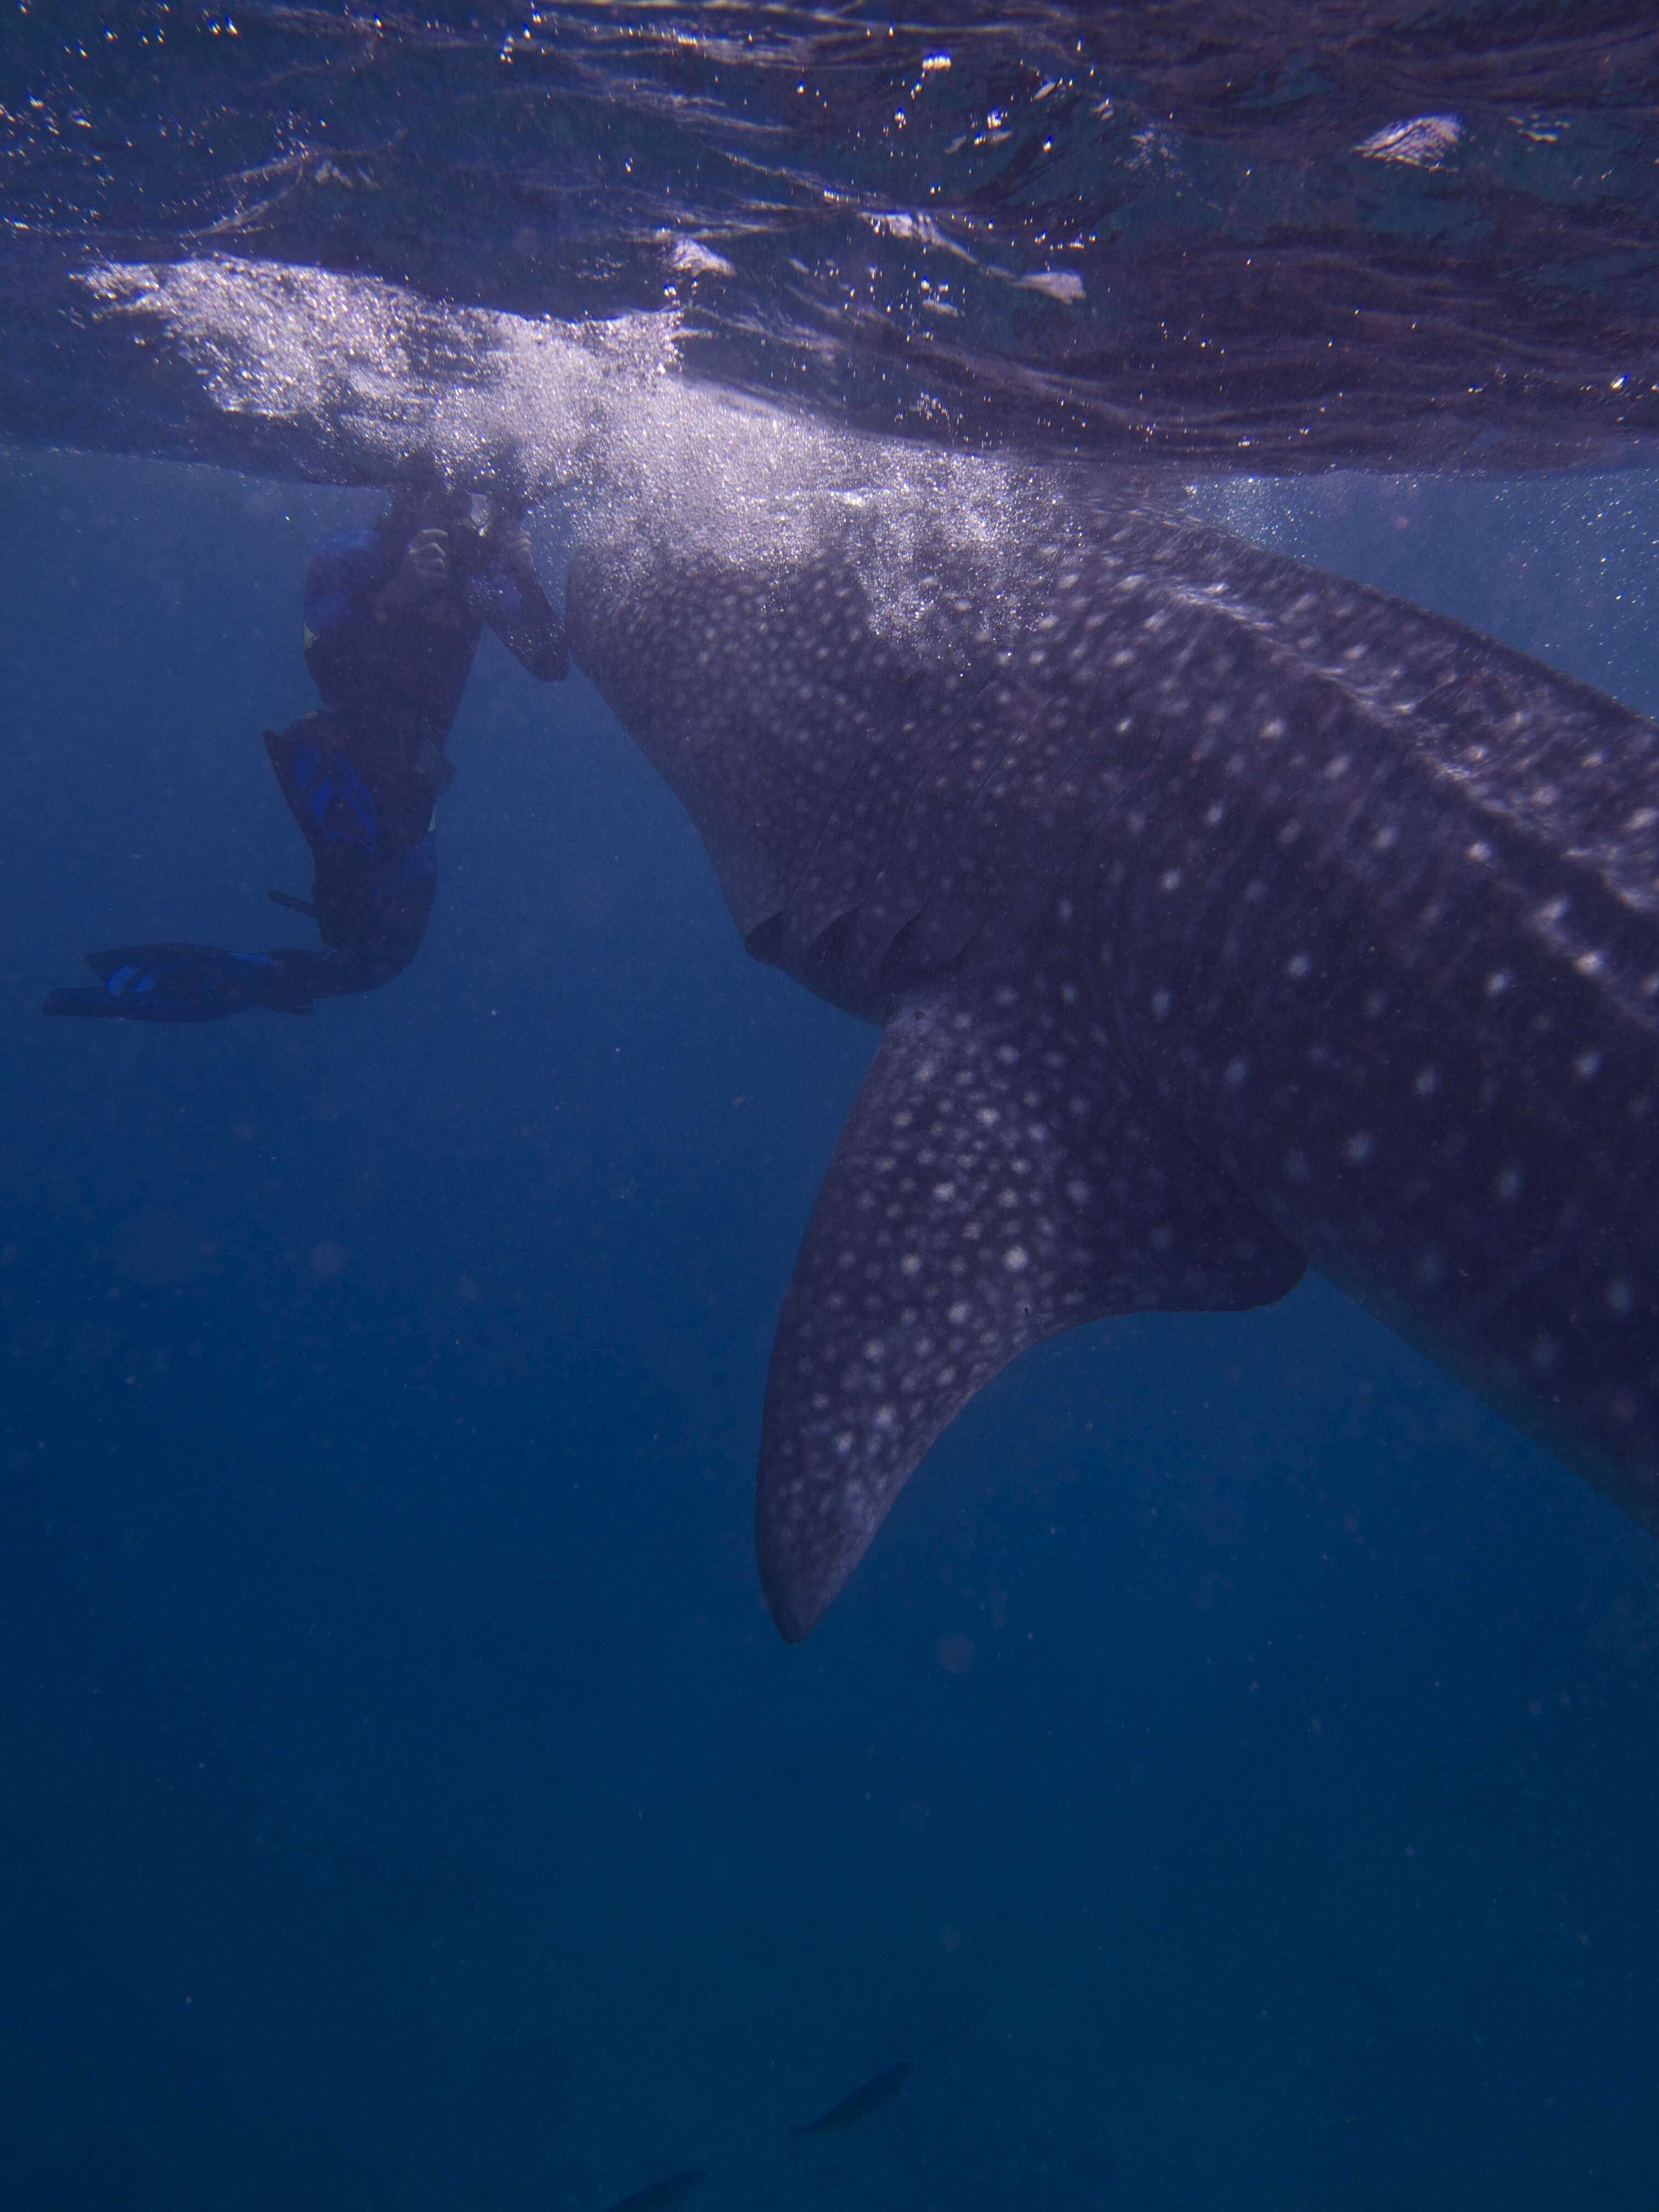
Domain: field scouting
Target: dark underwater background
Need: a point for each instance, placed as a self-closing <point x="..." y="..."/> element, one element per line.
<point x="1231" y="1780"/>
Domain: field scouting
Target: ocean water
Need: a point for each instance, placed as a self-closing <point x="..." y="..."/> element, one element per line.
<point x="1231" y="1780"/>
<point x="1202" y="234"/>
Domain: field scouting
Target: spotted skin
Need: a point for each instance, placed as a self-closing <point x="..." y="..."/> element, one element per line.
<point x="1220" y="915"/>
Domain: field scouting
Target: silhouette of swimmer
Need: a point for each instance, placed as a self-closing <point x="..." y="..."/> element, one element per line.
<point x="393" y="618"/>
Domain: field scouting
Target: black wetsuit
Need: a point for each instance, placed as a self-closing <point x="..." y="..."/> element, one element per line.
<point x="362" y="774"/>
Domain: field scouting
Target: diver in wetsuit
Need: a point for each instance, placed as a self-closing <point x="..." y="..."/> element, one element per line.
<point x="393" y="619"/>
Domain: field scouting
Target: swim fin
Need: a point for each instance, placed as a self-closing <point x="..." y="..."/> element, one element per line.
<point x="174" y="983"/>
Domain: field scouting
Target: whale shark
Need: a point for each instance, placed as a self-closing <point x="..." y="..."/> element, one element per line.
<point x="1221" y="919"/>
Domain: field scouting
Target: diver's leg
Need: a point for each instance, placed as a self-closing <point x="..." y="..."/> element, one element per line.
<point x="371" y="921"/>
<point x="182" y="983"/>
<point x="369" y="820"/>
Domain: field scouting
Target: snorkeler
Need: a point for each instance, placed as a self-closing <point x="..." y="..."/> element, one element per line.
<point x="393" y="619"/>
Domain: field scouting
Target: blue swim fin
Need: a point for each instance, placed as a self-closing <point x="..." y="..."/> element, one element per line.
<point x="175" y="983"/>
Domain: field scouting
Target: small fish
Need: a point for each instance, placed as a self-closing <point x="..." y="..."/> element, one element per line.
<point x="657" y="2195"/>
<point x="858" y="2104"/>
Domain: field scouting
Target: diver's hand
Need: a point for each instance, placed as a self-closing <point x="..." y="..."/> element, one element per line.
<point x="509" y="541"/>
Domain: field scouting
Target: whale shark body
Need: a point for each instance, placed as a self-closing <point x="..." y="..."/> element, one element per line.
<point x="1221" y="918"/>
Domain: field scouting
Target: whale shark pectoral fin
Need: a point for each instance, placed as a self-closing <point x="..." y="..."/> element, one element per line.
<point x="1000" y="1177"/>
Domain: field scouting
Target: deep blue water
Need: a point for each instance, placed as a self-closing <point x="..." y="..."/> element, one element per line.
<point x="1232" y="1778"/>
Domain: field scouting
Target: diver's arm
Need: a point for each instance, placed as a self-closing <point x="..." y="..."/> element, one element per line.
<point x="524" y="618"/>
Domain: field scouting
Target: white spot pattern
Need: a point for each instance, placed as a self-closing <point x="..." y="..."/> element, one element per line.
<point x="1324" y="945"/>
